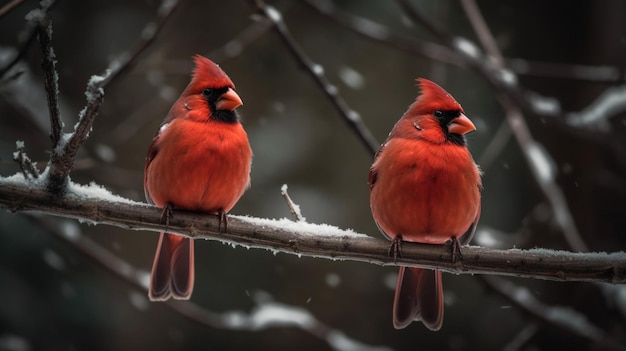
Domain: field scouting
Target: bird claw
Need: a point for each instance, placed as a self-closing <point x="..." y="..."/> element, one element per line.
<point x="166" y="215"/>
<point x="455" y="247"/>
<point x="222" y="220"/>
<point x="395" y="249"/>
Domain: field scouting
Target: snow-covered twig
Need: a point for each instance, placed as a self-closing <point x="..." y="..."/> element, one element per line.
<point x="94" y="204"/>
<point x="609" y="104"/>
<point x="9" y="6"/>
<point x="63" y="156"/>
<point x="29" y="170"/>
<point x="295" y="209"/>
<point x="351" y="117"/>
<point x="483" y="32"/>
<point x="267" y="314"/>
<point x="559" y="317"/>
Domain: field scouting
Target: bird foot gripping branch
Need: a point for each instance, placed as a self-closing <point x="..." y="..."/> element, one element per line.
<point x="425" y="185"/>
<point x="199" y="160"/>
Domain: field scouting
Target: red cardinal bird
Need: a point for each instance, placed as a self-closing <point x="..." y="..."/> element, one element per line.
<point x="425" y="187"/>
<point x="200" y="161"/>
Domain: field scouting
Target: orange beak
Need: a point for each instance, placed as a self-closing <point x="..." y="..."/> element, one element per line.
<point x="229" y="101"/>
<point x="461" y="125"/>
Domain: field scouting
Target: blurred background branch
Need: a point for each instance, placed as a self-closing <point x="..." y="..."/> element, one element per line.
<point x="580" y="154"/>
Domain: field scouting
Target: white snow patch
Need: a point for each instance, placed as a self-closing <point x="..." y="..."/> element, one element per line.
<point x="371" y="28"/>
<point x="508" y="77"/>
<point x="390" y="280"/>
<point x="105" y="152"/>
<point x="318" y="69"/>
<point x="541" y="161"/>
<point x="544" y="105"/>
<point x="303" y="228"/>
<point x="486" y="237"/>
<point x="233" y="48"/>
<point x="353" y="115"/>
<point x="274" y="314"/>
<point x="149" y="30"/>
<point x="36" y="15"/>
<point x="167" y="93"/>
<point x="467" y="47"/>
<point x="609" y="103"/>
<point x="332" y="89"/>
<point x="53" y="260"/>
<point x="163" y="127"/>
<point x="144" y="279"/>
<point x="351" y="77"/>
<point x="341" y="342"/>
<point x="273" y="14"/>
<point x="139" y="301"/>
<point x="96" y="191"/>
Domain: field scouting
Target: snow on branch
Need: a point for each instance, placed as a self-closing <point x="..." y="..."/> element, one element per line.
<point x="96" y="205"/>
<point x="65" y="146"/>
<point x="63" y="156"/>
<point x="610" y="103"/>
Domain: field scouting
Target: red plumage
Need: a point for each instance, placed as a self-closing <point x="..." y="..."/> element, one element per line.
<point x="425" y="187"/>
<point x="200" y="161"/>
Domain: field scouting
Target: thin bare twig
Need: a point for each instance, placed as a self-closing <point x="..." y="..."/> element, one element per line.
<point x="316" y="71"/>
<point x="295" y="209"/>
<point x="483" y="32"/>
<point x="149" y="33"/>
<point x="62" y="159"/>
<point x="308" y="239"/>
<point x="28" y="168"/>
<point x="9" y="6"/>
<point x="292" y="316"/>
<point x="51" y="81"/>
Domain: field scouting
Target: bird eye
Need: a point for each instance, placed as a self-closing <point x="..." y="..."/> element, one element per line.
<point x="207" y="92"/>
<point x="438" y="113"/>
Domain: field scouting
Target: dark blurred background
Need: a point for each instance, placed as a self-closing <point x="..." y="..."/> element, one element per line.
<point x="52" y="297"/>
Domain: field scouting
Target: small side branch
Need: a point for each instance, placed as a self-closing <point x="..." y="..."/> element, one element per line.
<point x="293" y="208"/>
<point x="29" y="170"/>
<point x="63" y="156"/>
<point x="51" y="81"/>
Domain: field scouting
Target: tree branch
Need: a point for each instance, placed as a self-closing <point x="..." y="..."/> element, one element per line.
<point x="351" y="117"/>
<point x="51" y="82"/>
<point x="283" y="315"/>
<point x="63" y="156"/>
<point x="93" y="203"/>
